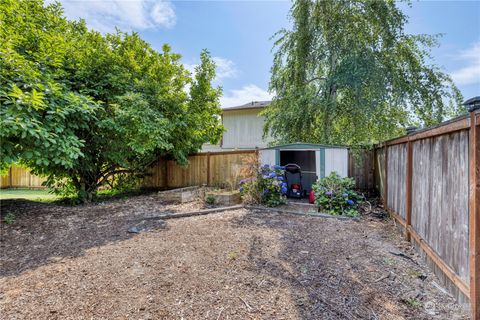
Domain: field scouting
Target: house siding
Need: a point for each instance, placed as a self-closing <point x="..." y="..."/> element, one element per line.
<point x="244" y="129"/>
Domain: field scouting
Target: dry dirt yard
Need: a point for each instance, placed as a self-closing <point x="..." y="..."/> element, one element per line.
<point x="81" y="263"/>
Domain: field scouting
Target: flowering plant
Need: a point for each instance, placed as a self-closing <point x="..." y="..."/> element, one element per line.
<point x="267" y="187"/>
<point x="335" y="195"/>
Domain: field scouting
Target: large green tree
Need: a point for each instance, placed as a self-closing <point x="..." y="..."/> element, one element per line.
<point x="348" y="73"/>
<point x="80" y="107"/>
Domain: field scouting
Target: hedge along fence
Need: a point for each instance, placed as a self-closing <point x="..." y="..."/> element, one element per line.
<point x="20" y="177"/>
<point x="212" y="169"/>
<point x="429" y="182"/>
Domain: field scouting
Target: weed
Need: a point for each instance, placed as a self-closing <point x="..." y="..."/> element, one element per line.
<point x="210" y="200"/>
<point x="233" y="255"/>
<point x="412" y="302"/>
<point x="9" y="218"/>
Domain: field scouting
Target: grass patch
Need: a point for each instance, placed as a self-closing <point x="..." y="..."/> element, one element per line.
<point x="41" y="195"/>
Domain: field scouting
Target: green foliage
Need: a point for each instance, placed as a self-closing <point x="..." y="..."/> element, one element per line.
<point x="9" y="218"/>
<point x="81" y="107"/>
<point x="335" y="195"/>
<point x="210" y="200"/>
<point x="347" y="73"/>
<point x="267" y="187"/>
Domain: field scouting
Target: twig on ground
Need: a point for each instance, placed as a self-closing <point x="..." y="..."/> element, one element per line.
<point x="220" y="314"/>
<point x="249" y="308"/>
<point x="400" y="254"/>
<point x="383" y="277"/>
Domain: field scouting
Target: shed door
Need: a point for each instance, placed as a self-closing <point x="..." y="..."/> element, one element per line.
<point x="267" y="156"/>
<point x="336" y="159"/>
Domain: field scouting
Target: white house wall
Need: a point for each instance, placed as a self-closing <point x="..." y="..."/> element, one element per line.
<point x="336" y="159"/>
<point x="244" y="129"/>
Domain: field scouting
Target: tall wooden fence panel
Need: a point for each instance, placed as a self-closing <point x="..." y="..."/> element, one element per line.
<point x="396" y="182"/>
<point x="212" y="169"/>
<point x="440" y="187"/>
<point x="20" y="177"/>
<point x="361" y="168"/>
<point x="430" y="184"/>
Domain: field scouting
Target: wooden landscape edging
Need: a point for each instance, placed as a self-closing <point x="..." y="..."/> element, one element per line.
<point x="472" y="289"/>
<point x="319" y="215"/>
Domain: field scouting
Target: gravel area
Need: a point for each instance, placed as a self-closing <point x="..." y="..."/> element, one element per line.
<point x="84" y="262"/>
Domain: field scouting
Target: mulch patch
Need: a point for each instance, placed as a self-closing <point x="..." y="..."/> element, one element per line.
<point x="82" y="263"/>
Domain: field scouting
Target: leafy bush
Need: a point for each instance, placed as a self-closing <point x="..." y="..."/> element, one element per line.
<point x="335" y="195"/>
<point x="210" y="200"/>
<point x="267" y="187"/>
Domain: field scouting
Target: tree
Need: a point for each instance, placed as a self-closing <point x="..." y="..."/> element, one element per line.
<point x="347" y="73"/>
<point x="125" y="103"/>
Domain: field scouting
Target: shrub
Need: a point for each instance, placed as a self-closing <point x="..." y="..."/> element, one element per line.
<point x="335" y="195"/>
<point x="210" y="200"/>
<point x="267" y="187"/>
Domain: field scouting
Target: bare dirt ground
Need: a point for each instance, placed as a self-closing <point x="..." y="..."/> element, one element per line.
<point x="81" y="263"/>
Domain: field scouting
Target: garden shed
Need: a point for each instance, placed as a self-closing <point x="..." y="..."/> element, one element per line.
<point x="315" y="160"/>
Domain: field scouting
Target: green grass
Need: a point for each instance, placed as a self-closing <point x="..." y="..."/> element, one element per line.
<point x="29" y="194"/>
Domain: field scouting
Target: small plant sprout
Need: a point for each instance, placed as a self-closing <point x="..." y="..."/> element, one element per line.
<point x="9" y="218"/>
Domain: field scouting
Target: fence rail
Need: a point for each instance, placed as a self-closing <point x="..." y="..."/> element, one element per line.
<point x="429" y="182"/>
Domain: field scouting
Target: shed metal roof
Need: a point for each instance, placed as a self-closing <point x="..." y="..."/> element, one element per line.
<point x="303" y="145"/>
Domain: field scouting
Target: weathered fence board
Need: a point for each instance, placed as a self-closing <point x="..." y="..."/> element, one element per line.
<point x="361" y="168"/>
<point x="440" y="197"/>
<point x="396" y="178"/>
<point x="430" y="182"/>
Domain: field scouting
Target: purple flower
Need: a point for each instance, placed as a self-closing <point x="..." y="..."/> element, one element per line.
<point x="350" y="202"/>
<point x="344" y="195"/>
<point x="283" y="184"/>
<point x="277" y="167"/>
<point x="242" y="181"/>
<point x="272" y="175"/>
<point x="241" y="189"/>
<point x="328" y="193"/>
<point x="280" y="178"/>
<point x="265" y="191"/>
<point x="283" y="190"/>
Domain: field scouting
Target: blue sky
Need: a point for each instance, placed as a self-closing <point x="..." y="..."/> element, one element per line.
<point x="237" y="33"/>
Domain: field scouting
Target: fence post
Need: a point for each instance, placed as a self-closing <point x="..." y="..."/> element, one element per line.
<point x="208" y="169"/>
<point x="474" y="219"/>
<point x="10" y="179"/>
<point x="408" y="213"/>
<point x="385" y="183"/>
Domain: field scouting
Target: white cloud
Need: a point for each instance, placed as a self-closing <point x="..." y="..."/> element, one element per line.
<point x="244" y="95"/>
<point x="127" y="15"/>
<point x="471" y="73"/>
<point x="225" y="68"/>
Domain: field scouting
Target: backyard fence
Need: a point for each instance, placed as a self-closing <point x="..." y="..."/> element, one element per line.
<point x="20" y="177"/>
<point x="429" y="182"/>
<point x="361" y="167"/>
<point x="213" y="169"/>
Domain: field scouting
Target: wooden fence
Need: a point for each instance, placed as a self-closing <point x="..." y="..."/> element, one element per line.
<point x="20" y="177"/>
<point x="429" y="182"/>
<point x="212" y="168"/>
<point x="361" y="167"/>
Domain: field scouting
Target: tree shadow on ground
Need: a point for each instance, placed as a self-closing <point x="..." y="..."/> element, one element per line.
<point x="46" y="232"/>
